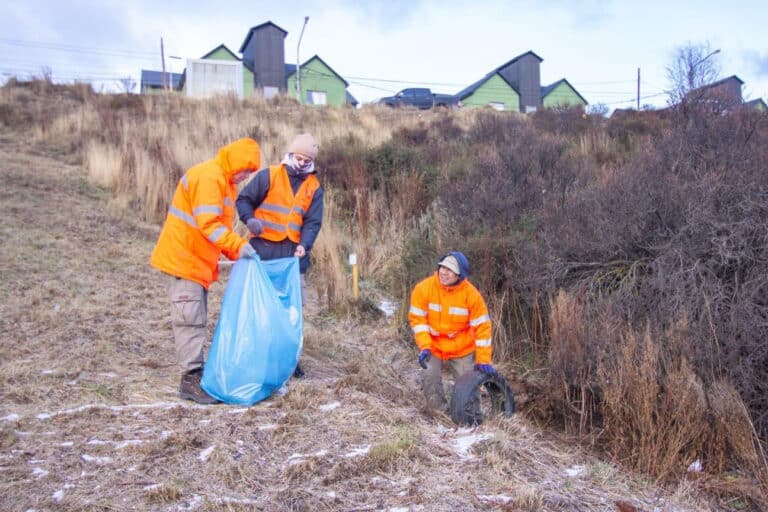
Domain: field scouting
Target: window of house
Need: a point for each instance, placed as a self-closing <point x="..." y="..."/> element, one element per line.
<point x="317" y="98"/>
<point x="529" y="109"/>
<point x="496" y="105"/>
<point x="270" y="92"/>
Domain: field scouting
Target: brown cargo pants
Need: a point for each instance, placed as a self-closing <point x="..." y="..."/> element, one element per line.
<point x="189" y="310"/>
<point x="432" y="383"/>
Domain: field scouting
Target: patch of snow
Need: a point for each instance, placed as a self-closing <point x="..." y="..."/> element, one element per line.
<point x="67" y="444"/>
<point x="43" y="416"/>
<point x="236" y="501"/>
<point x="574" y="471"/>
<point x="237" y="410"/>
<point x="128" y="442"/>
<point x="387" y="307"/>
<point x="331" y="494"/>
<point x="48" y="372"/>
<point x="111" y="375"/>
<point x="330" y="406"/>
<point x="495" y="498"/>
<point x="398" y="509"/>
<point x="97" y="442"/>
<point x="39" y="472"/>
<point x="270" y="426"/>
<point x="206" y="453"/>
<point x="358" y="451"/>
<point x="695" y="466"/>
<point x="462" y="444"/>
<point x="152" y="487"/>
<point x="165" y="434"/>
<point x="11" y="417"/>
<point x="58" y="495"/>
<point x="97" y="460"/>
<point x="204" y="422"/>
<point x="321" y="453"/>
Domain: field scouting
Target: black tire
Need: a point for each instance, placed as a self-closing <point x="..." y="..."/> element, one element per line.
<point x="466" y="407"/>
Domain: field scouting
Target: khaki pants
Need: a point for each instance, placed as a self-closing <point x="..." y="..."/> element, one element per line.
<point x="189" y="309"/>
<point x="432" y="384"/>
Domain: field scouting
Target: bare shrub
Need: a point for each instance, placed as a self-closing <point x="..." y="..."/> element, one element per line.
<point x="654" y="408"/>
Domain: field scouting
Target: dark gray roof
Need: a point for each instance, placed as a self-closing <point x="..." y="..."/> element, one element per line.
<point x="351" y="100"/>
<point x="470" y="89"/>
<point x="756" y="103"/>
<point x="724" y="80"/>
<point x="258" y="27"/>
<point x="515" y="59"/>
<point x="151" y="78"/>
<point x="545" y="90"/>
<point x="293" y="69"/>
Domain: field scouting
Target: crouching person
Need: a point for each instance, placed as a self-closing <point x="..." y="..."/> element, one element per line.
<point x="450" y="325"/>
<point x="197" y="230"/>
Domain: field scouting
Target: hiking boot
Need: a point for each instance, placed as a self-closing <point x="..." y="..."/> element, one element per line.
<point x="190" y="389"/>
<point x="298" y="373"/>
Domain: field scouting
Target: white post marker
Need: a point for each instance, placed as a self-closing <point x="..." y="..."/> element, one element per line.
<point x="353" y="264"/>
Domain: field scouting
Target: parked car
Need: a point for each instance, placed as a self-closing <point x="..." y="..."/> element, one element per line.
<point x="420" y="97"/>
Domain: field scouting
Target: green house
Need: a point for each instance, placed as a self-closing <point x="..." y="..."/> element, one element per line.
<point x="492" y="90"/>
<point x="561" y="94"/>
<point x="320" y="84"/>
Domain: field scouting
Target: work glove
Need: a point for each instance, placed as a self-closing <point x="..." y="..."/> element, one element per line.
<point x="246" y="251"/>
<point x="486" y="368"/>
<point x="255" y="226"/>
<point x="424" y="357"/>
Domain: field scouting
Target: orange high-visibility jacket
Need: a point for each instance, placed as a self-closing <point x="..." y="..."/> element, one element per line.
<point x="198" y="227"/>
<point x="281" y="211"/>
<point x="451" y="321"/>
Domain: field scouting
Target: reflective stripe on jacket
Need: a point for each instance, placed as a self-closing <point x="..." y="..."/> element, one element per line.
<point x="198" y="227"/>
<point x="282" y="212"/>
<point x="451" y="321"/>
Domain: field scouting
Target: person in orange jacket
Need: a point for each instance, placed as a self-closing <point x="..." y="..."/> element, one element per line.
<point x="282" y="206"/>
<point x="196" y="232"/>
<point x="450" y="325"/>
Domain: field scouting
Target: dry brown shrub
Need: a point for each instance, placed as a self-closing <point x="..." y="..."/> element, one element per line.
<point x="654" y="408"/>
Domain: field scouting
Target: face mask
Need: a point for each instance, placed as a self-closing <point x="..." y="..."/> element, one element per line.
<point x="290" y="161"/>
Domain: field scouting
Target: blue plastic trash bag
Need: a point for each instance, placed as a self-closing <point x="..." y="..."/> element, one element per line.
<point x="258" y="337"/>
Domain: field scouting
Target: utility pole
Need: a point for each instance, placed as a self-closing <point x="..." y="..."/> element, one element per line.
<point x="298" y="66"/>
<point x="638" y="89"/>
<point x="162" y="58"/>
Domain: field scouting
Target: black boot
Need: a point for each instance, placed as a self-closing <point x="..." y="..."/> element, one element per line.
<point x="190" y="389"/>
<point x="298" y="373"/>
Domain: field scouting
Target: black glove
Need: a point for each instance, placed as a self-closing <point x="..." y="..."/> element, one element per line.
<point x="255" y="226"/>
<point x="424" y="357"/>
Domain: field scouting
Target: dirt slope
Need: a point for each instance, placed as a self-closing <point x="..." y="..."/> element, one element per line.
<point x="90" y="420"/>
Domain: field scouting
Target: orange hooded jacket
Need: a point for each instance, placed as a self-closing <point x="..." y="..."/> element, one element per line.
<point x="198" y="227"/>
<point x="451" y="321"/>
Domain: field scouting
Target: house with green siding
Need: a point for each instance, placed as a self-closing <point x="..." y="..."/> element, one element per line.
<point x="320" y="84"/>
<point x="492" y="90"/>
<point x="515" y="86"/>
<point x="263" y="71"/>
<point x="561" y="94"/>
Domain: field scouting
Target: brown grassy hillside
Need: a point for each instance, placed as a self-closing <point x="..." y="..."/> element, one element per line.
<point x="89" y="411"/>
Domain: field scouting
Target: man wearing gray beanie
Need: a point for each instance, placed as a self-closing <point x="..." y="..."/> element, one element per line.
<point x="282" y="206"/>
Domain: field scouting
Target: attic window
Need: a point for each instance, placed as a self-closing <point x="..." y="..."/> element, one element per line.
<point x="270" y="92"/>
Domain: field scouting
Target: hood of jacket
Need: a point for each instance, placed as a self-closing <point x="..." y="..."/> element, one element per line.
<point x="463" y="264"/>
<point x="241" y="155"/>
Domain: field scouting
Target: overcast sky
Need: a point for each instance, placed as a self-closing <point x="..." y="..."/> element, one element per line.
<point x="380" y="47"/>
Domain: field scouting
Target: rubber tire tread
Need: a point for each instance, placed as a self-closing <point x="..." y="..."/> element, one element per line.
<point x="465" y="399"/>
